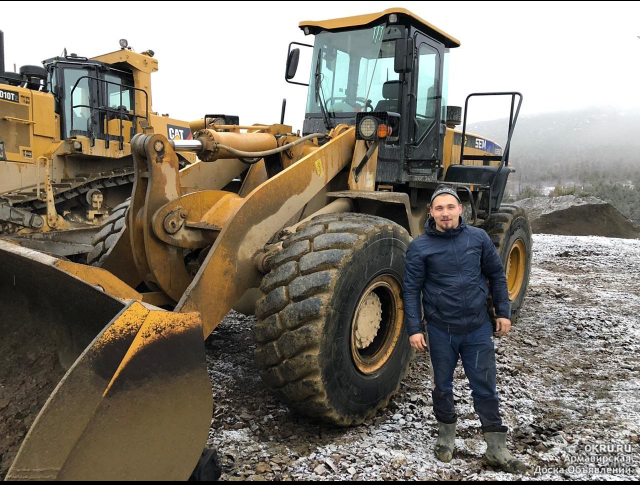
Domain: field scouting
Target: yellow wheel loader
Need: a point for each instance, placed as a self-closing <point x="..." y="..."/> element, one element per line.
<point x="309" y="232"/>
<point x="65" y="155"/>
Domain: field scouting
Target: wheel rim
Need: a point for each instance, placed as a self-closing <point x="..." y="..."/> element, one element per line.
<point x="376" y="324"/>
<point x="516" y="268"/>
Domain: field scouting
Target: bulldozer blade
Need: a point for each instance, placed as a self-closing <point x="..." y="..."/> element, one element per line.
<point x="136" y="404"/>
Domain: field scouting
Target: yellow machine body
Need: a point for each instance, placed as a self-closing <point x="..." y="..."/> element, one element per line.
<point x="55" y="180"/>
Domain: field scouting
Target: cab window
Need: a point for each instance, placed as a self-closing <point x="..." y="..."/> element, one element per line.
<point x="80" y="114"/>
<point x="428" y="101"/>
<point x="114" y="100"/>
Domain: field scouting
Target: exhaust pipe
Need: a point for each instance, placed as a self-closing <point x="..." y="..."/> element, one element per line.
<point x="1" y="52"/>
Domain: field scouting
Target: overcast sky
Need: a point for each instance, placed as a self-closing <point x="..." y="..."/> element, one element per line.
<point x="230" y="57"/>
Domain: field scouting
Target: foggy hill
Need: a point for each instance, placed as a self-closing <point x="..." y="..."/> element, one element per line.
<point x="571" y="145"/>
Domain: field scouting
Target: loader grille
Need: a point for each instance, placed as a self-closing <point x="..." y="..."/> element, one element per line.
<point x="13" y="133"/>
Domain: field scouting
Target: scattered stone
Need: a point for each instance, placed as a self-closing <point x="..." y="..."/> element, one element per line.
<point x="329" y="462"/>
<point x="320" y="470"/>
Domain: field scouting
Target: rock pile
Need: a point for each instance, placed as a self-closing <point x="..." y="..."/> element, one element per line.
<point x="577" y="216"/>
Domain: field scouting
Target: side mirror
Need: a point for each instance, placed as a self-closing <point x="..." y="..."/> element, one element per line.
<point x="293" y="58"/>
<point x="403" y="61"/>
<point x="292" y="64"/>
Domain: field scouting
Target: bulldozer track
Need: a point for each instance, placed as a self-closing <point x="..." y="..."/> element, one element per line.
<point x="89" y="183"/>
<point x="8" y="228"/>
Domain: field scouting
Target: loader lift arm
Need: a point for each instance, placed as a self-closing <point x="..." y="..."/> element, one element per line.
<point x="143" y="379"/>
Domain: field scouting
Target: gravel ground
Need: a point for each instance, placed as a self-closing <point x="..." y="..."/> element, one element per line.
<point x="568" y="377"/>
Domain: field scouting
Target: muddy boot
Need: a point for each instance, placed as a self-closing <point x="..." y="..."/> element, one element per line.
<point x="445" y="442"/>
<point x="498" y="455"/>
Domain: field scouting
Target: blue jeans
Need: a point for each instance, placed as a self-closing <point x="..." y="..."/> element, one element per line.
<point x="479" y="362"/>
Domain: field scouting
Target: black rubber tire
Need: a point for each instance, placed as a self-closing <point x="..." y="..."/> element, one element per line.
<point x="505" y="227"/>
<point x="108" y="234"/>
<point x="208" y="468"/>
<point x="304" y="322"/>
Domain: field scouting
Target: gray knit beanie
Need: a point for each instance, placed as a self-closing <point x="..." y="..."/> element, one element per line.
<point x="445" y="189"/>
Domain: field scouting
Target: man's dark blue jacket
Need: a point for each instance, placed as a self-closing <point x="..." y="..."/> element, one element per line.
<point x="449" y="268"/>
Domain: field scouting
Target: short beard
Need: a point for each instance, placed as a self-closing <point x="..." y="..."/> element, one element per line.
<point x="444" y="229"/>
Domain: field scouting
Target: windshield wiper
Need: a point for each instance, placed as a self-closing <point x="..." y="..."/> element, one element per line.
<point x="319" y="95"/>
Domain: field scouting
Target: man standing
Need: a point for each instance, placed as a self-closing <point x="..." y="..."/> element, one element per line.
<point x="448" y="265"/>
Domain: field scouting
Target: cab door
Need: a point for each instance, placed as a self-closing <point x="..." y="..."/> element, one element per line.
<point x="426" y="104"/>
<point x="79" y="96"/>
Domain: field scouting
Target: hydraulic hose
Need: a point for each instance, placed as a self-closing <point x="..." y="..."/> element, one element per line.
<point x="253" y="155"/>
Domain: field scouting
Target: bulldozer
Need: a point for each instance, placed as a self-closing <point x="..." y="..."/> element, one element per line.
<point x="65" y="133"/>
<point x="307" y="231"/>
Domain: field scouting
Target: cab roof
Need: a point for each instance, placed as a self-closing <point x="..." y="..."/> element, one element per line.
<point x="361" y="20"/>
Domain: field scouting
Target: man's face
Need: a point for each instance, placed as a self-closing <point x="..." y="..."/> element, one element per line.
<point x="446" y="211"/>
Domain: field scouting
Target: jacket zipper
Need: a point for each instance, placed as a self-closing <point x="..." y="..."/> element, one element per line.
<point x="464" y="299"/>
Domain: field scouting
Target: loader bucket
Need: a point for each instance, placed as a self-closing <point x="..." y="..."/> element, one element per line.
<point x="136" y="401"/>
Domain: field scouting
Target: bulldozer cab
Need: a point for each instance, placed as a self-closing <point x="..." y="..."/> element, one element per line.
<point x="392" y="65"/>
<point x="95" y="99"/>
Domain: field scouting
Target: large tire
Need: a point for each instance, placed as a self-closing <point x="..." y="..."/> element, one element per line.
<point x="108" y="235"/>
<point x="510" y="232"/>
<point x="318" y="345"/>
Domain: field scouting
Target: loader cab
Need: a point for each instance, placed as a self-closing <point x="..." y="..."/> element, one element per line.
<point x="389" y="69"/>
<point x="89" y="95"/>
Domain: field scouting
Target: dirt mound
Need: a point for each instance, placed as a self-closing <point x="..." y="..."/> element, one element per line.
<point x="574" y="216"/>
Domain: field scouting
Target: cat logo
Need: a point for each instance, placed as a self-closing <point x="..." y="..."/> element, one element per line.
<point x="178" y="133"/>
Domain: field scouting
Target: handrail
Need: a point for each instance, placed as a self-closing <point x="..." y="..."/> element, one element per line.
<point x="108" y="110"/>
<point x="512" y="125"/>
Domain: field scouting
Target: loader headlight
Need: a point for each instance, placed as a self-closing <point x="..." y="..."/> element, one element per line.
<point x="378" y="125"/>
<point x="123" y="43"/>
<point x="368" y="127"/>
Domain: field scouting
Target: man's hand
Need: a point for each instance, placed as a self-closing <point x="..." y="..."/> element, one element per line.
<point x="503" y="326"/>
<point x="417" y="342"/>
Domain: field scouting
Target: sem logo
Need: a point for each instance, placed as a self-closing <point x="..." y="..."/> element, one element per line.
<point x="481" y="144"/>
<point x="178" y="133"/>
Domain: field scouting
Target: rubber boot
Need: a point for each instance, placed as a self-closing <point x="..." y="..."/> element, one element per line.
<point x="445" y="442"/>
<point x="498" y="455"/>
